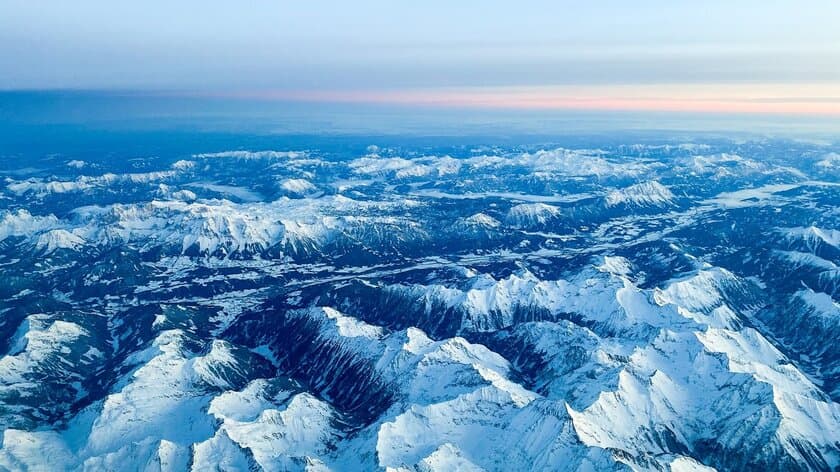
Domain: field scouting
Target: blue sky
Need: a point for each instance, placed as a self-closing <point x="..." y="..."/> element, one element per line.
<point x="613" y="54"/>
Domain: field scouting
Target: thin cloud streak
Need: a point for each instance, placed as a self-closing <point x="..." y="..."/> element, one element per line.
<point x="798" y="99"/>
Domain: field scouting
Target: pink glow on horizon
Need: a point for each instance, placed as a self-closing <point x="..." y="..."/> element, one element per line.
<point x="804" y="99"/>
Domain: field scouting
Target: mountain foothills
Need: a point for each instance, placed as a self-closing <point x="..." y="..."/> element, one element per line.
<point x="625" y="307"/>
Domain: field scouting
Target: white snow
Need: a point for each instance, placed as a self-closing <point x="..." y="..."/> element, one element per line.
<point x="642" y="194"/>
<point x="813" y="236"/>
<point x="249" y="155"/>
<point x="531" y="214"/>
<point x="764" y="195"/>
<point x="829" y="162"/>
<point x="297" y="186"/>
<point x="42" y="188"/>
<point x="76" y="164"/>
<point x="482" y="220"/>
<point x="183" y="165"/>
<point x="58" y="239"/>
<point x="241" y="193"/>
<point x="21" y="223"/>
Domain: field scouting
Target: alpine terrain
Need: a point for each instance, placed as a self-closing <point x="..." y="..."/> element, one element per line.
<point x="669" y="306"/>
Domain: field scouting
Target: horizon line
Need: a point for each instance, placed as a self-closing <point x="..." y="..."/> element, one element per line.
<point x="813" y="99"/>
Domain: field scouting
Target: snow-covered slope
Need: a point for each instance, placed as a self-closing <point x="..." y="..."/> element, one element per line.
<point x="645" y="307"/>
<point x="529" y="215"/>
<point x="642" y="194"/>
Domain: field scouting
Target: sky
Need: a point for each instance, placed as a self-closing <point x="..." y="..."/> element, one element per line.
<point x="773" y="57"/>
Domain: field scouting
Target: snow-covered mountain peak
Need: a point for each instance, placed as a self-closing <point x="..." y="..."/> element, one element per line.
<point x="650" y="193"/>
<point x="482" y="220"/>
<point x="531" y="214"/>
<point x="813" y="236"/>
